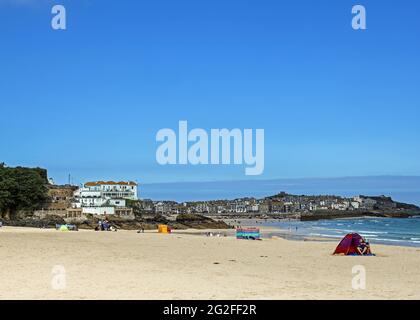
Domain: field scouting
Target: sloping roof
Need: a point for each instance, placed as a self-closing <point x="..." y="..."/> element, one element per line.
<point x="100" y="183"/>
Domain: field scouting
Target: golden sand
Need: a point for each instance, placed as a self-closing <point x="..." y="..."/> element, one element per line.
<point x="128" y="265"/>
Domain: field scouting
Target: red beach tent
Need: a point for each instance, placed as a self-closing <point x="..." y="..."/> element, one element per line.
<point x="349" y="244"/>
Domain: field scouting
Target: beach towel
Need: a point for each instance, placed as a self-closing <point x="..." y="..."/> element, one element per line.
<point x="248" y="233"/>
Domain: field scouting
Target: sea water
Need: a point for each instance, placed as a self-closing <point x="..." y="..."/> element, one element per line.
<point x="395" y="231"/>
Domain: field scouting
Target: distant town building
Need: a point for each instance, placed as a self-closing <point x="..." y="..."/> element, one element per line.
<point x="366" y="203"/>
<point x="103" y="198"/>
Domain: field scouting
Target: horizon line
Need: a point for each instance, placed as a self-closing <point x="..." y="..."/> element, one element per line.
<point x="277" y="179"/>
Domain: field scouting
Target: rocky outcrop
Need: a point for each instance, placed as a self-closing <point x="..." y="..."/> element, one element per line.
<point x="147" y="223"/>
<point x="196" y="221"/>
<point x="48" y="222"/>
<point x="124" y="224"/>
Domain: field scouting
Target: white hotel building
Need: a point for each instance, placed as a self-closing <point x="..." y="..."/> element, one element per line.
<point x="104" y="197"/>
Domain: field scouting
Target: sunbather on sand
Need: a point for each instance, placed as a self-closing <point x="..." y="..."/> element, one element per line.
<point x="363" y="248"/>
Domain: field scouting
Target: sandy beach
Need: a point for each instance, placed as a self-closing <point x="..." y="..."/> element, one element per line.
<point x="127" y="265"/>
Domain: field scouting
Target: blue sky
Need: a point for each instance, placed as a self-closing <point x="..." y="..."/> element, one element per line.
<point x="89" y="100"/>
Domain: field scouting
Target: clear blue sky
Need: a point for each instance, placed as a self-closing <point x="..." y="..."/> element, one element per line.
<point x="89" y="100"/>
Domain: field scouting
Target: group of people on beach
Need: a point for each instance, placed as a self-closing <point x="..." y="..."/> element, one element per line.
<point x="104" y="225"/>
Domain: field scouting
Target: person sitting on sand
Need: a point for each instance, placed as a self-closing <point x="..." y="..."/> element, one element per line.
<point x="363" y="248"/>
<point x="368" y="252"/>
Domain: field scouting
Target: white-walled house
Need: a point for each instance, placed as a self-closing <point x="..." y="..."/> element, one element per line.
<point x="113" y="190"/>
<point x="101" y="197"/>
<point x="99" y="210"/>
<point x="365" y="202"/>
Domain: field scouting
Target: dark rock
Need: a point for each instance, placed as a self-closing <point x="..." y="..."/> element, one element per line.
<point x="49" y="222"/>
<point x="196" y="221"/>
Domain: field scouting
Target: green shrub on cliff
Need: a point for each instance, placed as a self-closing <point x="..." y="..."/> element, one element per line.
<point x="21" y="189"/>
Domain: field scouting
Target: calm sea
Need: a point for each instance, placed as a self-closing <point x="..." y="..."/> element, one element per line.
<point x="404" y="232"/>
